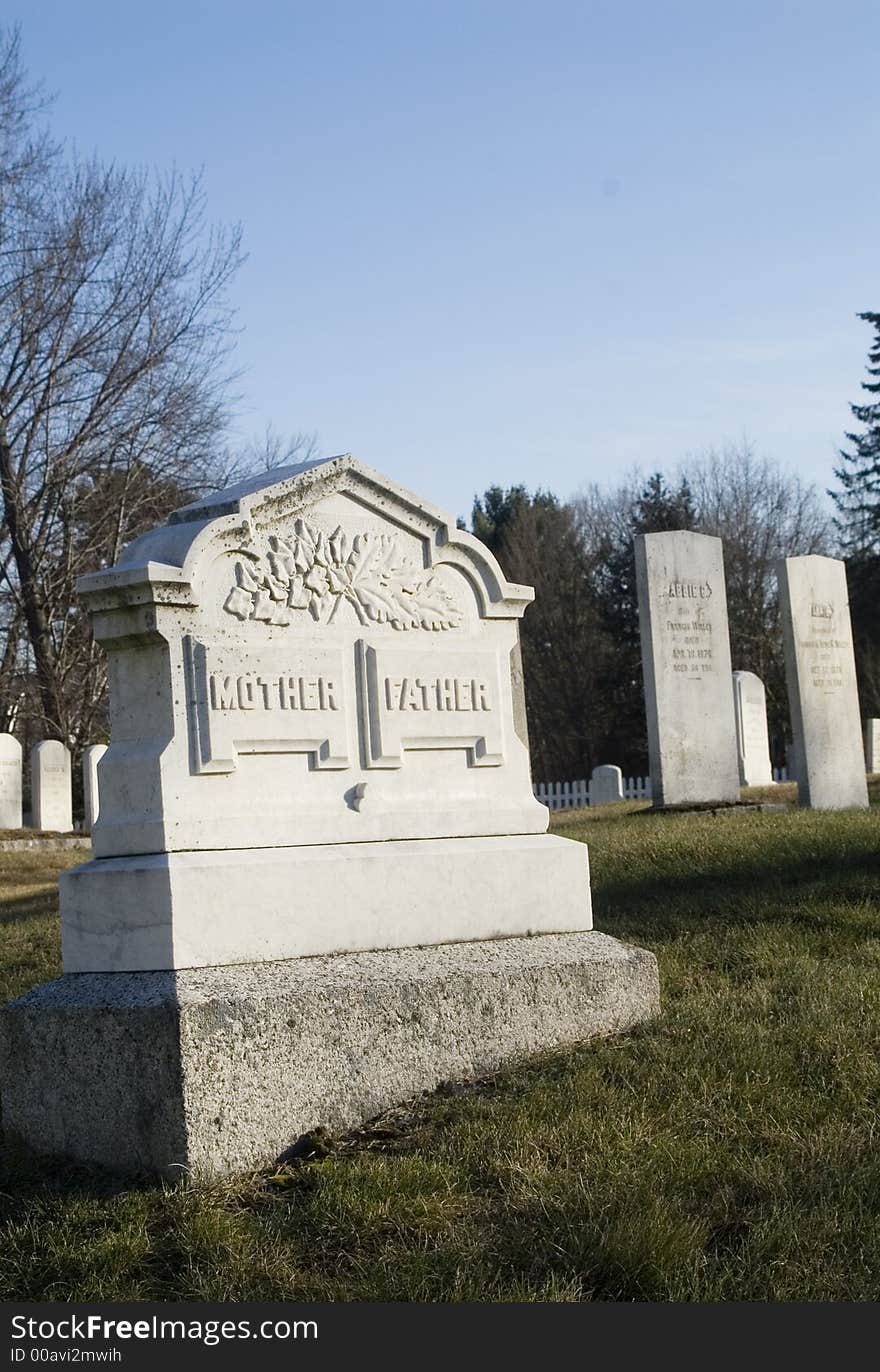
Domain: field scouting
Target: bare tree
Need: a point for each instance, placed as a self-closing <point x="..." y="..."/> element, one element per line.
<point x="114" y="385"/>
<point x="274" y="450"/>
<point x="763" y="513"/>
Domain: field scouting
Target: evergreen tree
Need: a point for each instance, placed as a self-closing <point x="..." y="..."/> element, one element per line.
<point x="537" y="542"/>
<point x="495" y="512"/>
<point x="858" y="525"/>
<point x="858" y="499"/>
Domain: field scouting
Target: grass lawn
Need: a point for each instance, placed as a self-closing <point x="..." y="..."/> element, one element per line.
<point x="728" y="1151"/>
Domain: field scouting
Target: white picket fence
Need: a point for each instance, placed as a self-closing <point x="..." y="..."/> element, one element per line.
<point x="569" y="795"/>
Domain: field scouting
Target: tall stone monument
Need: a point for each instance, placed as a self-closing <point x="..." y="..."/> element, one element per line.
<point x="322" y="881"/>
<point x="51" y="793"/>
<point x="10" y="782"/>
<point x="686" y="666"/>
<point x="820" y="674"/>
<point x="872" y="745"/>
<point x="752" y="737"/>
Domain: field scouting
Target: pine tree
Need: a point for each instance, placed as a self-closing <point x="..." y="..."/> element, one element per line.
<point x="858" y="525"/>
<point x="495" y="513"/>
<point x="858" y="499"/>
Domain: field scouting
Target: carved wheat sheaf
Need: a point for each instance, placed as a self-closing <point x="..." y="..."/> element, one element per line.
<point x="316" y="572"/>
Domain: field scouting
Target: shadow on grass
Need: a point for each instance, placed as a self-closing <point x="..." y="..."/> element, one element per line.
<point x="25" y="1175"/>
<point x="22" y="909"/>
<point x="666" y="903"/>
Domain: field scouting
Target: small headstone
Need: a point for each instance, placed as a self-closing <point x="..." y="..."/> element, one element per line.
<point x="686" y="665"/>
<point x="821" y="677"/>
<point x="606" y="785"/>
<point x="51" y="793"/>
<point x="752" y="737"/>
<point x="10" y="782"/>
<point x="872" y="745"/>
<point x="91" y="757"/>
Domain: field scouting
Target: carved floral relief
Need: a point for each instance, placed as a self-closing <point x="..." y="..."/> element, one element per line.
<point x="316" y="572"/>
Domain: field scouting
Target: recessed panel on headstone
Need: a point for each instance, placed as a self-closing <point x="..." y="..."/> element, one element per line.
<point x="10" y="782"/>
<point x="872" y="745"/>
<point x="821" y="677"/>
<point x="51" y="794"/>
<point x="752" y="737"/>
<point x="686" y="666"/>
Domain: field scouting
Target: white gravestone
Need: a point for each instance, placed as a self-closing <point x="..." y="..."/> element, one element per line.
<point x="316" y="748"/>
<point x="51" y="794"/>
<point x="606" y="785"/>
<point x="10" y="782"/>
<point x="686" y="665"/>
<point x="313" y="739"/>
<point x="821" y="677"/>
<point x="752" y="737"/>
<point x="872" y="745"/>
<point x="91" y="799"/>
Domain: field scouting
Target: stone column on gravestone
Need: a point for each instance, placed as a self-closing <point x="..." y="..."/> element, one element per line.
<point x="821" y="677"/>
<point x="872" y="745"/>
<point x="52" y="802"/>
<point x="752" y="737"/>
<point x="10" y="782"/>
<point x="687" y="672"/>
<point x="606" y="785"/>
<point x="91" y="757"/>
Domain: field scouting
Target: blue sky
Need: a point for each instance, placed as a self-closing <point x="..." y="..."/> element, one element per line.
<point x="503" y="242"/>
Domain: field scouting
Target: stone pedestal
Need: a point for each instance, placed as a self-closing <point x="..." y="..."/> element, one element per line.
<point x="265" y="904"/>
<point x="220" y="1069"/>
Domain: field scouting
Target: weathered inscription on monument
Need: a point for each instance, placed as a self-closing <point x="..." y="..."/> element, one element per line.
<point x="426" y="700"/>
<point x="689" y="641"/>
<point x="827" y="672"/>
<point x="275" y="705"/>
